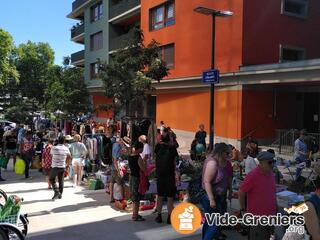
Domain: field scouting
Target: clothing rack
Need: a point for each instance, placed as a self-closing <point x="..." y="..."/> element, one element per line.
<point x="151" y="135"/>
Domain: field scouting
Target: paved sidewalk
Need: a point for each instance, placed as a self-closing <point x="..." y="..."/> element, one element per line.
<point x="82" y="214"/>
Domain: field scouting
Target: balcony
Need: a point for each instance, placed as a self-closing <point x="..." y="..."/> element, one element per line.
<point x="78" y="9"/>
<point x="120" y="41"/>
<point x="77" y="33"/>
<point x="77" y="59"/>
<point x="77" y="3"/>
<point x="124" y="9"/>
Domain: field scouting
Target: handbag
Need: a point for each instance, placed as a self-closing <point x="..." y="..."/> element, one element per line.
<point x="20" y="166"/>
<point x="36" y="162"/>
<point x="4" y="161"/>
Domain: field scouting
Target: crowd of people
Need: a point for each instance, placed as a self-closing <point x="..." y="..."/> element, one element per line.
<point x="257" y="192"/>
<point x="66" y="155"/>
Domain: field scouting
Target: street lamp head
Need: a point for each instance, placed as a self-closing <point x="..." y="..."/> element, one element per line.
<point x="213" y="12"/>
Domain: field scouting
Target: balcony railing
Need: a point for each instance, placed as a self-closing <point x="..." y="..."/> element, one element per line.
<point x="77" y="30"/>
<point x="120" y="41"/>
<point x="122" y="7"/>
<point x="78" y="3"/>
<point x="77" y="56"/>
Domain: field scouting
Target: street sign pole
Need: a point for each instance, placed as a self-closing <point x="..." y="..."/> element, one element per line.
<point x="211" y="139"/>
<point x="212" y="76"/>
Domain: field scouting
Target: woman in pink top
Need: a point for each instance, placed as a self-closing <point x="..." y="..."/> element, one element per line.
<point x="216" y="182"/>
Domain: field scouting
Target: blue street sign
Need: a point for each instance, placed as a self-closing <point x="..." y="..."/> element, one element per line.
<point x="211" y="76"/>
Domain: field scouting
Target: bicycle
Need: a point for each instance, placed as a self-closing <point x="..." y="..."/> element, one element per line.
<point x="10" y="230"/>
<point x="14" y="226"/>
<point x="3" y="197"/>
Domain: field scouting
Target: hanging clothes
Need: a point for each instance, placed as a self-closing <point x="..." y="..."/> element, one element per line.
<point x="123" y="129"/>
<point x="82" y="129"/>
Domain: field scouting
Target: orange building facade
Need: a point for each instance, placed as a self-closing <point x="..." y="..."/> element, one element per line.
<point x="247" y="102"/>
<point x="267" y="53"/>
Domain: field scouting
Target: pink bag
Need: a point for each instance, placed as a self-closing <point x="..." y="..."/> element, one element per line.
<point x="144" y="183"/>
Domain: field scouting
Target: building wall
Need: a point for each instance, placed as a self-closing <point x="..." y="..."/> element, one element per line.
<point x="258" y="112"/>
<point x="91" y="28"/>
<point x="265" y="28"/>
<point x="192" y="36"/>
<point x="186" y="110"/>
<point x="183" y="110"/>
<point x="101" y="100"/>
<point x="228" y="114"/>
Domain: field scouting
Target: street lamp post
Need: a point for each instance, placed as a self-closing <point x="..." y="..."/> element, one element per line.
<point x="213" y="13"/>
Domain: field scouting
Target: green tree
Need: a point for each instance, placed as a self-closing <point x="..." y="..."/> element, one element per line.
<point x="67" y="92"/>
<point x="34" y="61"/>
<point x="128" y="75"/>
<point x="7" y="67"/>
<point x="20" y="113"/>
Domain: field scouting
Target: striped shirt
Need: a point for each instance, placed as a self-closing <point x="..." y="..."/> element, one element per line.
<point x="59" y="156"/>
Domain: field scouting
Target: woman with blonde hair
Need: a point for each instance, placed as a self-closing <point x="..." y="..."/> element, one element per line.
<point x="78" y="153"/>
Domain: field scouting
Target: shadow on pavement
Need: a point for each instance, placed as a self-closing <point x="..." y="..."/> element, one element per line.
<point x="115" y="228"/>
<point x="37" y="201"/>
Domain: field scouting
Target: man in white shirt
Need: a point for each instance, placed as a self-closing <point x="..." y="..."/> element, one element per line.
<point x="60" y="155"/>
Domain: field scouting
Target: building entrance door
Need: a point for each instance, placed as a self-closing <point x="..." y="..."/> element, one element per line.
<point x="311" y="112"/>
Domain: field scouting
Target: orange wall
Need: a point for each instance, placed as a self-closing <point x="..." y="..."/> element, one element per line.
<point x="100" y="100"/>
<point x="237" y="112"/>
<point x="265" y="29"/>
<point x="191" y="35"/>
<point x="184" y="111"/>
<point x="228" y="113"/>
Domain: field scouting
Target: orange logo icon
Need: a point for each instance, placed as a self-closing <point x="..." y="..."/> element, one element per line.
<point x="186" y="218"/>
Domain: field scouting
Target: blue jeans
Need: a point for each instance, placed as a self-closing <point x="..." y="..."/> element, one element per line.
<point x="209" y="232"/>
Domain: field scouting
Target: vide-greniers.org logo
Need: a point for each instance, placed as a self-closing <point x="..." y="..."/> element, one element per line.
<point x="249" y="219"/>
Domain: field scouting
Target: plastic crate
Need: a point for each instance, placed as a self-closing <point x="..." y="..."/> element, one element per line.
<point x="12" y="219"/>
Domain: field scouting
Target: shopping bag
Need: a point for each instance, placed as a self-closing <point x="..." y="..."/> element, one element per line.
<point x="117" y="191"/>
<point x="3" y="161"/>
<point x="36" y="162"/>
<point x="20" y="166"/>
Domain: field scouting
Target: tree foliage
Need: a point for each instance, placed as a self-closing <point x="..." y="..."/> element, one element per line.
<point x="34" y="61"/>
<point x="128" y="75"/>
<point x="42" y="86"/>
<point x="67" y="92"/>
<point x="7" y="67"/>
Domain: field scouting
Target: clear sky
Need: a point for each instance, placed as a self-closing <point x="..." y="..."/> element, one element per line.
<point x="40" y="21"/>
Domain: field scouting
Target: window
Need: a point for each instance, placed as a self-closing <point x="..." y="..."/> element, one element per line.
<point x="162" y="16"/>
<point x="288" y="53"/>
<point x="295" y="8"/>
<point x="94" y="70"/>
<point x="167" y="53"/>
<point x="96" y="41"/>
<point x="96" y="12"/>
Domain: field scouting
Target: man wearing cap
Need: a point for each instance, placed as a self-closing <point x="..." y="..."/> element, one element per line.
<point x="260" y="189"/>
